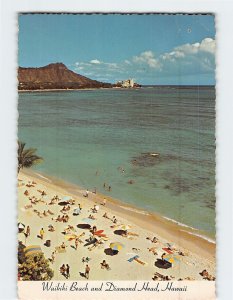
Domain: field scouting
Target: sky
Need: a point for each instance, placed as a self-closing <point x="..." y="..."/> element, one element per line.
<point x="151" y="49"/>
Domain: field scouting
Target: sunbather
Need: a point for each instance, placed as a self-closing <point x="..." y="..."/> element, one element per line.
<point x="96" y="244"/>
<point x="153" y="240"/>
<point x="91" y="217"/>
<point x="26" y="193"/>
<point x="45" y="213"/>
<point x="58" y="219"/>
<point x="51" y="228"/>
<point x="105" y="216"/>
<point x="104" y="265"/>
<point x="153" y="250"/>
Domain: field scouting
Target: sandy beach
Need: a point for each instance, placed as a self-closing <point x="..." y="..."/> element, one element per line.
<point x="133" y="228"/>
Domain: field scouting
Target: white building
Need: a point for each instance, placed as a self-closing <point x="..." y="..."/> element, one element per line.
<point x="128" y="83"/>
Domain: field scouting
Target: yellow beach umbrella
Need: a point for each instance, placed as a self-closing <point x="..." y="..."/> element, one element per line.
<point x="116" y="246"/>
<point x="125" y="227"/>
<point x="171" y="258"/>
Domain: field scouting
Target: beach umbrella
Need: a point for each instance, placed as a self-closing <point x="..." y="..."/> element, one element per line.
<point x="76" y="211"/>
<point x="116" y="246"/>
<point x="31" y="250"/>
<point x="171" y="258"/>
<point x="87" y="220"/>
<point x="125" y="227"/>
<point x="21" y="226"/>
<point x="66" y="198"/>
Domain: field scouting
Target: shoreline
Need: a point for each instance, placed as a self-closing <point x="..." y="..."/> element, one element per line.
<point x="75" y="90"/>
<point x="172" y="230"/>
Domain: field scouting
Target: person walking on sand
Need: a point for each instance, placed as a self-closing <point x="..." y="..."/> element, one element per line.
<point x="52" y="257"/>
<point x="28" y="231"/>
<point x="87" y="271"/>
<point x="76" y="243"/>
<point x="42" y="233"/>
<point x="67" y="271"/>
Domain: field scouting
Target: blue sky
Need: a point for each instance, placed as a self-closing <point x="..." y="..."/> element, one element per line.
<point x="152" y="49"/>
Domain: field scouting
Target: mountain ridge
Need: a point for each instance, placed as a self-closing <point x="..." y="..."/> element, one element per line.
<point x="55" y="76"/>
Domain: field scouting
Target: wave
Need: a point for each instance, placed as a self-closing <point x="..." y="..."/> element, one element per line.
<point x="204" y="237"/>
<point x="179" y="223"/>
<point x="47" y="179"/>
<point x="142" y="212"/>
<point x="192" y="233"/>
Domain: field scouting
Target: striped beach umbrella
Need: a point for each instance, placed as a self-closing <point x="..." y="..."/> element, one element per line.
<point x="31" y="250"/>
<point x="116" y="246"/>
<point x="171" y="258"/>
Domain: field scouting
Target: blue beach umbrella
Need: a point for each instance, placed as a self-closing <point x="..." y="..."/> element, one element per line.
<point x="67" y="198"/>
<point x="87" y="220"/>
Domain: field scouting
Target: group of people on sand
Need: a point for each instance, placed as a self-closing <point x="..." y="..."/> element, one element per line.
<point x="153" y="240"/>
<point x="95" y="241"/>
<point x="65" y="271"/>
<point x="64" y="218"/>
<point x="54" y="200"/>
<point x="113" y="219"/>
<point x="65" y="208"/>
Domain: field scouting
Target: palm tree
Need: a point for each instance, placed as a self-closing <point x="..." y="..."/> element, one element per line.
<point x="27" y="157"/>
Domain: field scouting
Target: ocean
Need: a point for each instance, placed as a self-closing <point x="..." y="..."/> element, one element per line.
<point x="92" y="137"/>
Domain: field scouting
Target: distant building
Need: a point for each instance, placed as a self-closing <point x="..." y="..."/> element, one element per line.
<point x="128" y="83"/>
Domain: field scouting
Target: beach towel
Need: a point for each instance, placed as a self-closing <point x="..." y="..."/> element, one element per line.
<point x="133" y="258"/>
<point x="70" y="237"/>
<point x="167" y="250"/>
<point x="98" y="232"/>
<point x="140" y="261"/>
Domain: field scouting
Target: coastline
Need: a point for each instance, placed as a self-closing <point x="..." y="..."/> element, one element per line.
<point x="182" y="235"/>
<point x="74" y="90"/>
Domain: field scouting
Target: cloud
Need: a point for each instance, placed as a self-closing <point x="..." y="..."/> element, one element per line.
<point x="191" y="58"/>
<point x="147" y="58"/>
<point x="184" y="60"/>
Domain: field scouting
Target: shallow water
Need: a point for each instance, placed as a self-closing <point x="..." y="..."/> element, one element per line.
<point x="90" y="137"/>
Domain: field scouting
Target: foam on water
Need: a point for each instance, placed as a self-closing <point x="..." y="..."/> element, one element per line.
<point x="46" y="178"/>
<point x="135" y="210"/>
<point x="179" y="223"/>
<point x="204" y="237"/>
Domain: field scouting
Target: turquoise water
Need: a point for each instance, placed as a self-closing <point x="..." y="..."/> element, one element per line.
<point x="80" y="133"/>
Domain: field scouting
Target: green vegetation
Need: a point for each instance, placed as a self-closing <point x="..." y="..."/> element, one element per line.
<point x="33" y="267"/>
<point x="27" y="157"/>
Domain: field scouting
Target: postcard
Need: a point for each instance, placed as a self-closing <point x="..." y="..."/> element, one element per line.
<point x="116" y="156"/>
